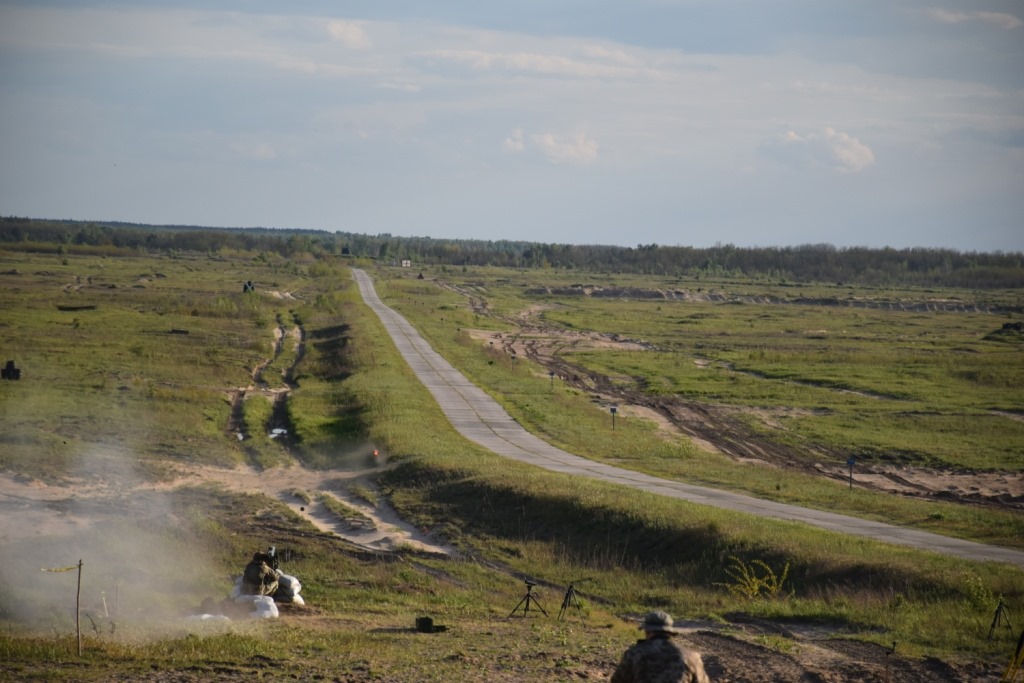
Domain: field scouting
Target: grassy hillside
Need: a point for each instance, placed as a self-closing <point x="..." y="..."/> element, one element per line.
<point x="116" y="398"/>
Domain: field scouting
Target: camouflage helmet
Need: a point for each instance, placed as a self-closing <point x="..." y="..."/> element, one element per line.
<point x="658" y="622"/>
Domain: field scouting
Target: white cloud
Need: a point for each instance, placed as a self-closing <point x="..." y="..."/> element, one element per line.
<point x="514" y="142"/>
<point x="828" y="149"/>
<point x="257" y="151"/>
<point x="1000" y="19"/>
<point x="543" y="64"/>
<point x="349" y="34"/>
<point x="1007" y="21"/>
<point x="615" y="55"/>
<point x="401" y="87"/>
<point x="124" y="51"/>
<point x="578" y="149"/>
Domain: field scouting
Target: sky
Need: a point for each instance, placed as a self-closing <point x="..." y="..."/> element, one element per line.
<point x="874" y="123"/>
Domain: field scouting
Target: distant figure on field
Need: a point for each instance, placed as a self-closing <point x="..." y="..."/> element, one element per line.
<point x="659" y="659"/>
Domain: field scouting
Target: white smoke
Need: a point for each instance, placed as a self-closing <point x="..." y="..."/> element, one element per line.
<point x="139" y="559"/>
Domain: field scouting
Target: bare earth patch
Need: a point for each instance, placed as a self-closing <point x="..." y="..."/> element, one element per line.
<point x="31" y="508"/>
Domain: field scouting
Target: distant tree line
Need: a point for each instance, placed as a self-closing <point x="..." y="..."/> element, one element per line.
<point x="804" y="263"/>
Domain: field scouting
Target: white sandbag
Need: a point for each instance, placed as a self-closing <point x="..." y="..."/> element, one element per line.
<point x="207" y="617"/>
<point x="284" y="596"/>
<point x="286" y="599"/>
<point x="265" y="607"/>
<point x="288" y="584"/>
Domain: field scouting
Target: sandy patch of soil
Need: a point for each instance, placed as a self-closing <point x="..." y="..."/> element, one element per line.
<point x="665" y="425"/>
<point x="1004" y="487"/>
<point x="32" y="509"/>
<point x="534" y="340"/>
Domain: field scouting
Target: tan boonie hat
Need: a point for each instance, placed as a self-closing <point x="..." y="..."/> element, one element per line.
<point x="658" y="622"/>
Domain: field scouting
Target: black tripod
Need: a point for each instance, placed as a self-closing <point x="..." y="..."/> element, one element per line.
<point x="527" y="599"/>
<point x="571" y="599"/>
<point x="1002" y="615"/>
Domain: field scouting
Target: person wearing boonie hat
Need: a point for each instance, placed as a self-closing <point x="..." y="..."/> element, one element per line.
<point x="659" y="659"/>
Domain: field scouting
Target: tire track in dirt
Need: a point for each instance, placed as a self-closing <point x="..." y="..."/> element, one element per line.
<point x="279" y="424"/>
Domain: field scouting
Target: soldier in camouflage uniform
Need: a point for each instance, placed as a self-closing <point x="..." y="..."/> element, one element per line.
<point x="657" y="658"/>
<point x="259" y="577"/>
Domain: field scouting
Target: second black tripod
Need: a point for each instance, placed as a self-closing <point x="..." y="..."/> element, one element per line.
<point x="571" y="599"/>
<point x="1002" y="617"/>
<point x="527" y="599"/>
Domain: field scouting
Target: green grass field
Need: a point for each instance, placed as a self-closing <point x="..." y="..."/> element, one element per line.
<point x="874" y="398"/>
<point x="116" y="376"/>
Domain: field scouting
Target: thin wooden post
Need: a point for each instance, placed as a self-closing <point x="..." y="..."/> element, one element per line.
<point x="78" y="599"/>
<point x="78" y="609"/>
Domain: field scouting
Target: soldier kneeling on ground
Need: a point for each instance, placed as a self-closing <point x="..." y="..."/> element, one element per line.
<point x="259" y="577"/>
<point x="657" y="658"/>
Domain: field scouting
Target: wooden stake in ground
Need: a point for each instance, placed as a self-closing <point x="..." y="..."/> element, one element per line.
<point x="78" y="608"/>
<point x="78" y="601"/>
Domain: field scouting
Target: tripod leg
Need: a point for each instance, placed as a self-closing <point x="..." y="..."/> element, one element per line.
<point x="579" y="607"/>
<point x="526" y="599"/>
<point x="536" y="604"/>
<point x="565" y="603"/>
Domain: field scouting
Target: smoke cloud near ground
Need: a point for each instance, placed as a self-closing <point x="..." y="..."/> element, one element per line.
<point x="140" y="558"/>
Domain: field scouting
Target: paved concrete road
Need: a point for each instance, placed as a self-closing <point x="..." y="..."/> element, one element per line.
<point x="479" y="418"/>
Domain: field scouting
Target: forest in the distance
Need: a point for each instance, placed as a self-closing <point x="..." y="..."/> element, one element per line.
<point x="865" y="266"/>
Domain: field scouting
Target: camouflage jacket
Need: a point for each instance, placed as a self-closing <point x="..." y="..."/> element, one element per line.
<point x="258" y="579"/>
<point x="659" y="660"/>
